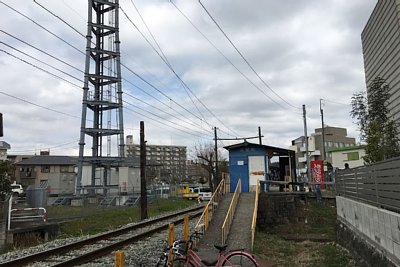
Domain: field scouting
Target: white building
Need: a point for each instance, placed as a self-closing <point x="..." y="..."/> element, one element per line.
<point x="353" y="156"/>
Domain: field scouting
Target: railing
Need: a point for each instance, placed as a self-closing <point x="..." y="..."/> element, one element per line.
<point x="231" y="212"/>
<point x="211" y="206"/>
<point x="254" y="222"/>
<point x="376" y="184"/>
<point x="38" y="215"/>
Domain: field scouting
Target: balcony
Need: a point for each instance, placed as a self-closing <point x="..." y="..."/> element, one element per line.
<point x="302" y="159"/>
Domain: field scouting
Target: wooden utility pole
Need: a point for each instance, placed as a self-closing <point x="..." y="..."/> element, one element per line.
<point x="306" y="142"/>
<point x="323" y="129"/>
<point x="259" y="135"/>
<point x="143" y="191"/>
<point x="216" y="158"/>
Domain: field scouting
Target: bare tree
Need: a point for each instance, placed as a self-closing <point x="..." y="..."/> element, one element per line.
<point x="205" y="154"/>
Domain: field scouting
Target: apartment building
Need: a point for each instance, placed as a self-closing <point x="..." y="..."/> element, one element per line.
<point x="334" y="137"/>
<point x="170" y="161"/>
<point x="381" y="50"/>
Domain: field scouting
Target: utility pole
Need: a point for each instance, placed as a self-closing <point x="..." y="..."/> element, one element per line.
<point x="143" y="192"/>
<point x="323" y="129"/>
<point x="259" y="135"/>
<point x="306" y="141"/>
<point x="216" y="157"/>
<point x="1" y="124"/>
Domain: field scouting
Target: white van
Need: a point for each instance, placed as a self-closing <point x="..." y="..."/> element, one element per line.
<point x="205" y="193"/>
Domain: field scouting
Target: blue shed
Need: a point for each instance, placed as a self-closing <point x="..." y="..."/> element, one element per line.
<point x="250" y="162"/>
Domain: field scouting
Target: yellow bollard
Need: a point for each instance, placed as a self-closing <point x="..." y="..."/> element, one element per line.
<point x="119" y="258"/>
<point x="170" y="241"/>
<point x="186" y="227"/>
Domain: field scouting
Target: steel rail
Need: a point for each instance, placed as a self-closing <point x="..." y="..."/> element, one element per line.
<point x="73" y="246"/>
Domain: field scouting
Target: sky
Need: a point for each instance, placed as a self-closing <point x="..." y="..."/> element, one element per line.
<point x="245" y="64"/>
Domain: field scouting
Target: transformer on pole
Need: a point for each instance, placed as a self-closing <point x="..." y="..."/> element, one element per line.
<point x="102" y="113"/>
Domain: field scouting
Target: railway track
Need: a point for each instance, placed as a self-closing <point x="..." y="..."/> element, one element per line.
<point x="95" y="247"/>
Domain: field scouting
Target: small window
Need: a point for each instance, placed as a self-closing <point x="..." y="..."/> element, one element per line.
<point x="64" y="169"/>
<point x="353" y="156"/>
<point x="45" y="169"/>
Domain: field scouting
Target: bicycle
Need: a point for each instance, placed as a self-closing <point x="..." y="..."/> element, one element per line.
<point x="186" y="257"/>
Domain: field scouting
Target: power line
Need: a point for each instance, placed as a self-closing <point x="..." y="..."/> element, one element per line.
<point x="34" y="58"/>
<point x="155" y="115"/>
<point x="178" y="77"/>
<point x="161" y="122"/>
<point x="42" y="51"/>
<point x="40" y="26"/>
<point x="39" y="68"/>
<point x="245" y="60"/>
<point x="40" y="106"/>
<point x="164" y="59"/>
<point x="52" y="13"/>
<point x="221" y="53"/>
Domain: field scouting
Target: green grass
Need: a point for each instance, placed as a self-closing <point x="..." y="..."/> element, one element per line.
<point x="98" y="220"/>
<point x="279" y="252"/>
<point x="321" y="220"/>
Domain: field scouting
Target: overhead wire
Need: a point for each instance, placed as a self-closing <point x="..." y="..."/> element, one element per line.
<point x="41" y="61"/>
<point x="52" y="74"/>
<point x="163" y="58"/>
<point x="137" y="75"/>
<point x="226" y="58"/>
<point x="43" y="28"/>
<point x="155" y="115"/>
<point x="39" y="68"/>
<point x="242" y="56"/>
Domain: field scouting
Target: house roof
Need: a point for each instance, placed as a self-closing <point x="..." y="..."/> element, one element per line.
<point x="4" y="145"/>
<point x="49" y="160"/>
<point x="277" y="151"/>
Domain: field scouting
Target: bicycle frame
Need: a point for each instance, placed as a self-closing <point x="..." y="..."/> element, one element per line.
<point x="194" y="259"/>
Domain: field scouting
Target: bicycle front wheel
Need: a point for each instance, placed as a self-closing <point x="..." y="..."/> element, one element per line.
<point x="239" y="259"/>
<point x="181" y="263"/>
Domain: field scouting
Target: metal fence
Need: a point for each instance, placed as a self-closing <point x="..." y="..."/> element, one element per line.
<point x="376" y="184"/>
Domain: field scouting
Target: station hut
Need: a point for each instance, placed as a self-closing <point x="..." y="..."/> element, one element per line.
<point x="252" y="162"/>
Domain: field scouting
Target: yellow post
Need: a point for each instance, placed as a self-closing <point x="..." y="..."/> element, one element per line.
<point x="171" y="240"/>
<point x="119" y="258"/>
<point x="206" y="217"/>
<point x="186" y="227"/>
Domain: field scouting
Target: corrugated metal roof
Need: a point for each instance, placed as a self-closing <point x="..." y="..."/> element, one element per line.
<point x="275" y="150"/>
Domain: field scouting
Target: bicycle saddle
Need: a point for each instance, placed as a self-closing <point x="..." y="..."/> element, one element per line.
<point x="221" y="248"/>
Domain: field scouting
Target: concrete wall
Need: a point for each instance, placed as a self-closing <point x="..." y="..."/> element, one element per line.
<point x="369" y="231"/>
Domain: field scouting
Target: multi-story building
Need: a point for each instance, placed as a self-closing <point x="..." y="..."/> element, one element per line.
<point x="334" y="137"/>
<point x="381" y="50"/>
<point x="169" y="160"/>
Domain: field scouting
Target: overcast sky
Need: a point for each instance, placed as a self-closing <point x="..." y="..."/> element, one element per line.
<point x="303" y="50"/>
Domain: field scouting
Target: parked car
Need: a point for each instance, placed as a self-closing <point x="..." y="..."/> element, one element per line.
<point x="205" y="193"/>
<point x="17" y="189"/>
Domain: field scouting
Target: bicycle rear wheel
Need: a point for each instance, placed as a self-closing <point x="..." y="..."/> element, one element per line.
<point x="181" y="263"/>
<point x="239" y="259"/>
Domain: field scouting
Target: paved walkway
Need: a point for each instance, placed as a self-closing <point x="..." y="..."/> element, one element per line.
<point x="240" y="232"/>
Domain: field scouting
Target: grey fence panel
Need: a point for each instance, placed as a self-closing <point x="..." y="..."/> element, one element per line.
<point x="377" y="184"/>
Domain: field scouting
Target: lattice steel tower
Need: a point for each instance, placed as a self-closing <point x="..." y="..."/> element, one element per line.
<point x="102" y="114"/>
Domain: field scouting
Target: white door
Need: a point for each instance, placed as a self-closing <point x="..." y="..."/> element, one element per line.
<point x="256" y="170"/>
